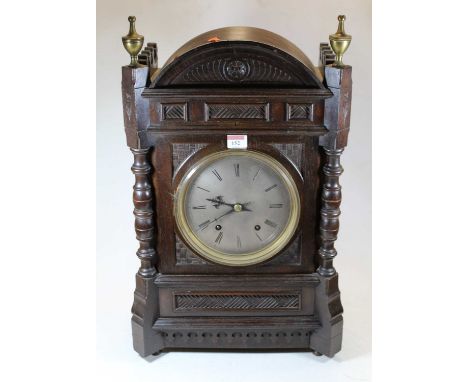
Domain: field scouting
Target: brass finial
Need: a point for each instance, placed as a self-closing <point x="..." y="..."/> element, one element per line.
<point x="339" y="42"/>
<point x="133" y="42"/>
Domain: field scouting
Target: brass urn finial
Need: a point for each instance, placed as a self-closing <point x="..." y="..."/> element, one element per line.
<point x="133" y="42"/>
<point x="339" y="42"/>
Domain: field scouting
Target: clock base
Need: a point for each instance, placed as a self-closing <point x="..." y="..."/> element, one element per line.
<point x="320" y="331"/>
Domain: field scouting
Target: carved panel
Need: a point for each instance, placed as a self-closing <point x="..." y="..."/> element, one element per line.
<point x="248" y="69"/>
<point x="246" y="301"/>
<point x="184" y="256"/>
<point x="181" y="151"/>
<point x="292" y="151"/>
<point x="237" y="111"/>
<point x="292" y="255"/>
<point x="300" y="111"/>
<point x="174" y="111"/>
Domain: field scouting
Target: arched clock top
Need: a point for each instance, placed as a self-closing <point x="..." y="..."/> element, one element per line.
<point x="238" y="56"/>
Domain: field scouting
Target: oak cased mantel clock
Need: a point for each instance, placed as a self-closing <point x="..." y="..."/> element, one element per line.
<point x="237" y="142"/>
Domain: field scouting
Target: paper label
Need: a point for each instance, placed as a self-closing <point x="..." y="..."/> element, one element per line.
<point x="237" y="141"/>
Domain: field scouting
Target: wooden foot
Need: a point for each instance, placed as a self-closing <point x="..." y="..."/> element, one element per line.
<point x="327" y="339"/>
<point x="317" y="353"/>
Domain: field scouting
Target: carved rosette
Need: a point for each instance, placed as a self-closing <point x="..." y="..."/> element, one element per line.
<point x="330" y="211"/>
<point x="143" y="202"/>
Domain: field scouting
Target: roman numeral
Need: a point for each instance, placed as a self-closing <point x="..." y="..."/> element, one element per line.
<point x="276" y="205"/>
<point x="239" y="242"/>
<point x="259" y="238"/>
<point x="219" y="238"/>
<point x="199" y="207"/>
<point x="271" y="188"/>
<point x="217" y="175"/>
<point x="270" y="223"/>
<point x="204" y="189"/>
<point x="237" y="169"/>
<point x="204" y="224"/>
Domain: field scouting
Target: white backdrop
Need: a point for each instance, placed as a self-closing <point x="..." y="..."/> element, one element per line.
<point x="171" y="23"/>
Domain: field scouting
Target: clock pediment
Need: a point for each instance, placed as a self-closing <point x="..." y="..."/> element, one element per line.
<point x="235" y="57"/>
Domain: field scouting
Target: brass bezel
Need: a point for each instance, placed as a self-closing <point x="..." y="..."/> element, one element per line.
<point x="249" y="258"/>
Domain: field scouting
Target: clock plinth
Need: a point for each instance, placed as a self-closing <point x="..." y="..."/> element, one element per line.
<point x="237" y="245"/>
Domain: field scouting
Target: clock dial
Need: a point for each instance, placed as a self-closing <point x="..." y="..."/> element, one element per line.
<point x="237" y="207"/>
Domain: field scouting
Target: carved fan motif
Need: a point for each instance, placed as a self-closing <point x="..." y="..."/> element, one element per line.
<point x="236" y="70"/>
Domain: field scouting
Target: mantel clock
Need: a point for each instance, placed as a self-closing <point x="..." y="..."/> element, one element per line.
<point x="237" y="141"/>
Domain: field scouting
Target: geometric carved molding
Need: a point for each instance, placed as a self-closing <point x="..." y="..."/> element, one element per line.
<point x="237" y="111"/>
<point x="290" y="256"/>
<point x="292" y="151"/>
<point x="244" y="301"/>
<point x="299" y="112"/>
<point x="174" y="111"/>
<point x="237" y="338"/>
<point x="181" y="151"/>
<point x="235" y="332"/>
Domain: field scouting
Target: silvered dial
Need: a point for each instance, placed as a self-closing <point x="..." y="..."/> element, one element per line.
<point x="239" y="204"/>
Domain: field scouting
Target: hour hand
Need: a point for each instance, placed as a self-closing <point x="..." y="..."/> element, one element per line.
<point x="244" y="208"/>
<point x="219" y="200"/>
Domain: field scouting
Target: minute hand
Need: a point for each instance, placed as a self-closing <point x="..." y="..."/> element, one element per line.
<point x="219" y="217"/>
<point x="216" y="219"/>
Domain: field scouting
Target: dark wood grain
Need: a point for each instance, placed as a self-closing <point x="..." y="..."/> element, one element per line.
<point x="256" y="83"/>
<point x="143" y="202"/>
<point x="338" y="107"/>
<point x="330" y="211"/>
<point x="135" y="107"/>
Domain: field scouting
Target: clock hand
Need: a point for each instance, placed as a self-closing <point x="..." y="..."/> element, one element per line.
<point x="219" y="217"/>
<point x="216" y="219"/>
<point x="244" y="208"/>
<point x="220" y="201"/>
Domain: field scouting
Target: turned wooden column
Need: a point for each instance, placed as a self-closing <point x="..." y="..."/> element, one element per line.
<point x="336" y="119"/>
<point x="143" y="202"/>
<point x="327" y="339"/>
<point x="330" y="211"/>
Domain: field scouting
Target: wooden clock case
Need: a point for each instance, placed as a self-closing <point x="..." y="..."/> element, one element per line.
<point x="236" y="80"/>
